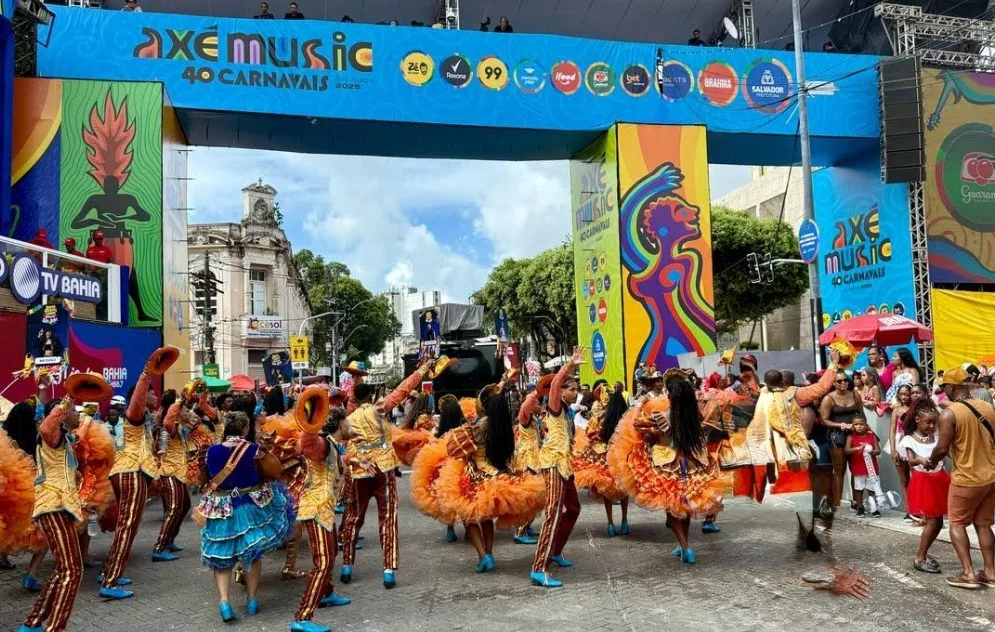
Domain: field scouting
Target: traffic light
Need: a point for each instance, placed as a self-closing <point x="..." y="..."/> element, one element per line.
<point x="205" y="292"/>
<point x="754" y="267"/>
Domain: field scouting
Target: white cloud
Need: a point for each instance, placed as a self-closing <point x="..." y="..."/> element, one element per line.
<point x="361" y="210"/>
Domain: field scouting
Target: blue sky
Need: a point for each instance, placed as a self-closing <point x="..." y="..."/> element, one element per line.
<point x="393" y="221"/>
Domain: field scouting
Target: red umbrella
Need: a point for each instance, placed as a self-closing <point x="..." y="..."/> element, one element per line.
<point x="242" y="382"/>
<point x="883" y="329"/>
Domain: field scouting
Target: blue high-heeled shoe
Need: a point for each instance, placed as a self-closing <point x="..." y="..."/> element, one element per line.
<point x="451" y="535"/>
<point x="227" y="614"/>
<point x="30" y="583"/>
<point x="252" y="607"/>
<point x="25" y="628"/>
<point x="490" y="561"/>
<point x="389" y="580"/>
<point x="709" y="527"/>
<point x="610" y="530"/>
<point x="560" y="561"/>
<point x="524" y="539"/>
<point x="678" y="552"/>
<point x="482" y="565"/>
<point x="308" y="626"/>
<point x="688" y="557"/>
<point x="544" y="580"/>
<point x="334" y="600"/>
<point x="624" y="530"/>
<point x="346" y="575"/>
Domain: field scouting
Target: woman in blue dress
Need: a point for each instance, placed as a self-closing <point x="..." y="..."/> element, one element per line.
<point x="246" y="513"/>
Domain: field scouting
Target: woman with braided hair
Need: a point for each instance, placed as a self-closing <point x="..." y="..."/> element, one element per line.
<point x="659" y="457"/>
<point x="426" y="466"/>
<point x="590" y="461"/>
<point x="478" y="484"/>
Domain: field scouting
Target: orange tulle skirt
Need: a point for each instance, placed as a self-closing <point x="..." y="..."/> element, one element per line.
<point x="511" y="499"/>
<point x="407" y="443"/>
<point x="95" y="453"/>
<point x="17" y="497"/>
<point x="424" y="475"/>
<point x="591" y="471"/>
<point x="696" y="493"/>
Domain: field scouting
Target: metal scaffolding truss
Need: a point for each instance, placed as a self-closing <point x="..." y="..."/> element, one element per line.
<point x="741" y="14"/>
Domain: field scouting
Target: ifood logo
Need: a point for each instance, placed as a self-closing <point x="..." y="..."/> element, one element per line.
<point x="566" y="77"/>
<point x="28" y="281"/>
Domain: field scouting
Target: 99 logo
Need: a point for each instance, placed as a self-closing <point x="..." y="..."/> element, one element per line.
<point x="492" y="73"/>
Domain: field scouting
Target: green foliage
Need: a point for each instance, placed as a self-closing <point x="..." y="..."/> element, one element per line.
<point x="367" y="322"/>
<point x="537" y="294"/>
<point x="277" y="214"/>
<point x="749" y="345"/>
<point x="735" y="235"/>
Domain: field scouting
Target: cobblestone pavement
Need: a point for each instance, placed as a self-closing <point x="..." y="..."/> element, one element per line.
<point x="748" y="577"/>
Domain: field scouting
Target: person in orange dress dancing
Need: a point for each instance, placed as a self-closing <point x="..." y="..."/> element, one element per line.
<point x="590" y="461"/>
<point x="659" y="457"/>
<point x="415" y="431"/>
<point x="427" y="465"/>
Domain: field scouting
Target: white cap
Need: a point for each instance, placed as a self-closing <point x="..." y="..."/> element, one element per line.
<point x="118" y="399"/>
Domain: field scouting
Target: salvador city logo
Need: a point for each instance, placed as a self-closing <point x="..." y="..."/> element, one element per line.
<point x="261" y="61"/>
<point x="767" y="85"/>
<point x="965" y="175"/>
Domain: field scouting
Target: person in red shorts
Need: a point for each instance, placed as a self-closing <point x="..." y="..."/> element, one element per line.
<point x="967" y="434"/>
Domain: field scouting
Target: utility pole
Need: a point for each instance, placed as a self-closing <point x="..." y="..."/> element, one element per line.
<point x="208" y="295"/>
<point x="806" y="148"/>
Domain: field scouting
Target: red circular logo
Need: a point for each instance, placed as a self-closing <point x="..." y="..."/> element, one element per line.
<point x="718" y="83"/>
<point x="602" y="311"/>
<point x="566" y="77"/>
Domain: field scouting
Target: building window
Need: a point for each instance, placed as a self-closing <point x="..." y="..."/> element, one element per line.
<point x="199" y="358"/>
<point x="255" y="356"/>
<point x="257" y="292"/>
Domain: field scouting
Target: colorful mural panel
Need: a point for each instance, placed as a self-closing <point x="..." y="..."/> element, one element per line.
<point x="960" y="175"/>
<point x="597" y="268"/>
<point x="665" y="236"/>
<point x="111" y="181"/>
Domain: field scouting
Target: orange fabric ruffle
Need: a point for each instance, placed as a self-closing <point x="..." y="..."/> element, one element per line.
<point x="17" y="496"/>
<point x="591" y="471"/>
<point x="424" y="474"/>
<point x="407" y="443"/>
<point x="95" y="453"/>
<point x="698" y="493"/>
<point x="510" y="499"/>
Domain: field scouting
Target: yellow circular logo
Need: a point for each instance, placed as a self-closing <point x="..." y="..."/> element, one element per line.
<point x="603" y="261"/>
<point x="492" y="72"/>
<point x="417" y="68"/>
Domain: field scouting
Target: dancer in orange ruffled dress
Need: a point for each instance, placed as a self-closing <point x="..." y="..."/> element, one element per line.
<point x="590" y="461"/>
<point x="478" y="484"/>
<point x="415" y="431"/>
<point x="658" y="456"/>
<point x="427" y="465"/>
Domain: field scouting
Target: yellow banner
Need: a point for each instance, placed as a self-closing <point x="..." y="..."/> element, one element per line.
<point x="960" y="325"/>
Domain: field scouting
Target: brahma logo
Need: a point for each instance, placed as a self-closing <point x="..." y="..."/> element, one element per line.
<point x="718" y="83"/>
<point x="978" y="168"/>
<point x="566" y="77"/>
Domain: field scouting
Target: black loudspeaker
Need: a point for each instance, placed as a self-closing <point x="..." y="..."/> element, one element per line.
<point x="903" y="154"/>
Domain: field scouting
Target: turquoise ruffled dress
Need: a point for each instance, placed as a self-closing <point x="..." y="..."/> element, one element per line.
<point x="245" y="517"/>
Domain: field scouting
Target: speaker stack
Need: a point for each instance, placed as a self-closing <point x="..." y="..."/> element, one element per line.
<point x="903" y="155"/>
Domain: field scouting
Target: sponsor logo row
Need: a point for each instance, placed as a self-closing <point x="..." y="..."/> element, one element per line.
<point x="766" y="85"/>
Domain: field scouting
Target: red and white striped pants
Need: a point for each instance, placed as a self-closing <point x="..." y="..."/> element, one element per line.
<point x="55" y="603"/>
<point x="383" y="487"/>
<point x="132" y="490"/>
<point x="176" y="501"/>
<point x="323" y="547"/>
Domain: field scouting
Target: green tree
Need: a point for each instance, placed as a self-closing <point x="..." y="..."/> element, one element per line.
<point x="735" y="234"/>
<point x="365" y="322"/>
<point x="537" y="294"/>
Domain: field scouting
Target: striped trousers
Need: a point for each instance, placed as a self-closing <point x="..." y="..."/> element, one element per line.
<point x="383" y="487"/>
<point x="132" y="490"/>
<point x="55" y="603"/>
<point x="562" y="510"/>
<point x="176" y="501"/>
<point x="319" y="582"/>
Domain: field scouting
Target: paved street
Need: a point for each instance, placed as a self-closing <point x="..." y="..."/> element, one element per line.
<point x="748" y="578"/>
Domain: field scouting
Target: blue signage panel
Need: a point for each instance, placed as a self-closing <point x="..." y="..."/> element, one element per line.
<point x="808" y="240"/>
<point x="420" y="75"/>
<point x="865" y="253"/>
